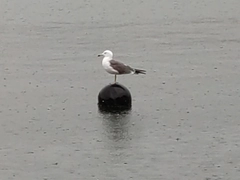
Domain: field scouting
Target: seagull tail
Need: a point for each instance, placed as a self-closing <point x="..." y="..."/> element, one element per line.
<point x="139" y="71"/>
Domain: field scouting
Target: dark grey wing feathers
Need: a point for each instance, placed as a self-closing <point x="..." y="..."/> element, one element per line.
<point x="125" y="69"/>
<point x="120" y="67"/>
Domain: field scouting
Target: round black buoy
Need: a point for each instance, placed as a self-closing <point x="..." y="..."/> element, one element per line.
<point x="114" y="97"/>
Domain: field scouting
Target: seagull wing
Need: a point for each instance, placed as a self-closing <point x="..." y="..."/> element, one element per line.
<point x="120" y="67"/>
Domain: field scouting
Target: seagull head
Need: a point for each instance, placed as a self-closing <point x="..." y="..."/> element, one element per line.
<point x="106" y="53"/>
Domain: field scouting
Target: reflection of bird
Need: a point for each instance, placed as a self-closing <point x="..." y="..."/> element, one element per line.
<point x="116" y="67"/>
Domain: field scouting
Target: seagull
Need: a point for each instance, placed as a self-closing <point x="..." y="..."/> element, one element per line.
<point x="115" y="67"/>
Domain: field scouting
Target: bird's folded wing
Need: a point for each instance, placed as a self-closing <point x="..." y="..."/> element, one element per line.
<point x="120" y="67"/>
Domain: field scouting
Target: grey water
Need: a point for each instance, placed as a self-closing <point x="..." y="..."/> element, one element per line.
<point x="184" y="122"/>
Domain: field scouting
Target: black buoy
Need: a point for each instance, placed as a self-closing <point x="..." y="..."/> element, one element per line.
<point x="114" y="97"/>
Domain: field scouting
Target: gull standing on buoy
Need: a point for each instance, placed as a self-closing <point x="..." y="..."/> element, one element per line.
<point x="116" y="67"/>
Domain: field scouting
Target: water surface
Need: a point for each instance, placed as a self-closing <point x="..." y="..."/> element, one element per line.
<point x="184" y="122"/>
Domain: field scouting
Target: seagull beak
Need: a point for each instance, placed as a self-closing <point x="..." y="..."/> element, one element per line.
<point x="100" y="55"/>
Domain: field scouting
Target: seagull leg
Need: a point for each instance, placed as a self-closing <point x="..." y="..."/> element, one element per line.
<point x="115" y="79"/>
